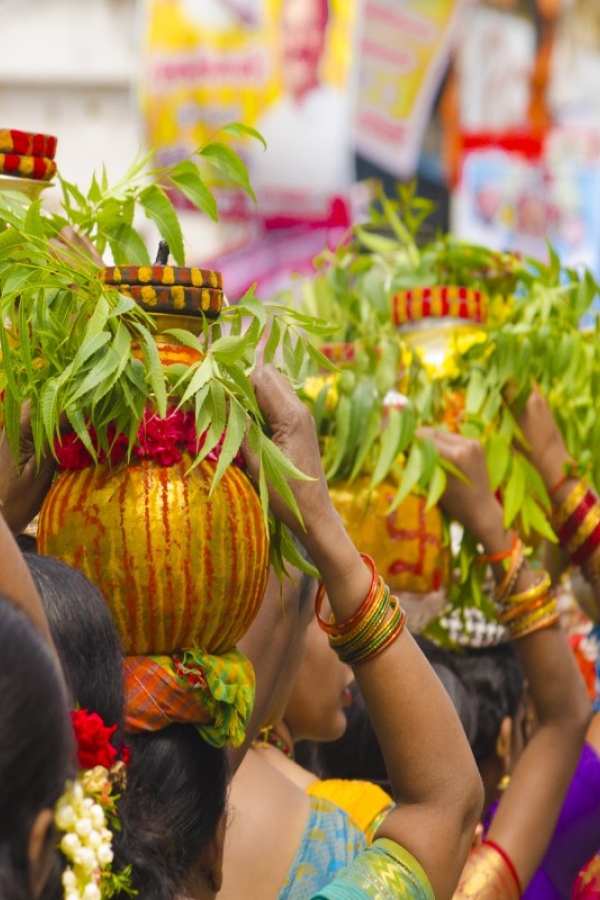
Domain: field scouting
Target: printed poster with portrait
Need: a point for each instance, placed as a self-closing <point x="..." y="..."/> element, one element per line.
<point x="281" y="66"/>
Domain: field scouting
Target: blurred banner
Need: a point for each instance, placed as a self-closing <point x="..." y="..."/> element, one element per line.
<point x="281" y="66"/>
<point x="520" y="191"/>
<point x="404" y="51"/>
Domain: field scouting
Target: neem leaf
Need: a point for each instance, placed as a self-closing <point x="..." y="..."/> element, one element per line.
<point x="514" y="493"/>
<point x="154" y="370"/>
<point x="376" y="243"/>
<point x="126" y="246"/>
<point x="48" y="408"/>
<point x="34" y="225"/>
<point x="238" y="130"/>
<point x="273" y="342"/>
<point x="229" y="164"/>
<point x="497" y="453"/>
<point x="411" y="474"/>
<point x="390" y="441"/>
<point x="437" y="486"/>
<point x="159" y="208"/>
<point x="187" y="178"/>
<point x="234" y="433"/>
<point x="229" y="349"/>
<point x="186" y="338"/>
<point x="202" y="376"/>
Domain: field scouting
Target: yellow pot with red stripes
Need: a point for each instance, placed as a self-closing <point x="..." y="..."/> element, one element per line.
<point x="407" y="545"/>
<point x="178" y="568"/>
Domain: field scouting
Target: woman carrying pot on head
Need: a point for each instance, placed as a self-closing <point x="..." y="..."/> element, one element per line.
<point x="522" y="830"/>
<point x="540" y="772"/>
<point x="422" y="844"/>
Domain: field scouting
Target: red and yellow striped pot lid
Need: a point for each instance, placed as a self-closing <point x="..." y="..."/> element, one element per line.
<point x="439" y="302"/>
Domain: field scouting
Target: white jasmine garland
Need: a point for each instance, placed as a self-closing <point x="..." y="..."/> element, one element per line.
<point x="83" y="814"/>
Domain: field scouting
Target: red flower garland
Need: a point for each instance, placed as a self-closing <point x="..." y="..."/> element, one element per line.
<point x="163" y="440"/>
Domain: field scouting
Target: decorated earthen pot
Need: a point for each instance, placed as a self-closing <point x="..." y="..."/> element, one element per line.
<point x="407" y="545"/>
<point x="27" y="161"/>
<point x="177" y="567"/>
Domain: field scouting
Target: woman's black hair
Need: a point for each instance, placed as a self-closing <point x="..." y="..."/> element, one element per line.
<point x="176" y="783"/>
<point x="176" y="796"/>
<point x="85" y="637"/>
<point x="484" y="685"/>
<point x="495" y="679"/>
<point x="36" y="743"/>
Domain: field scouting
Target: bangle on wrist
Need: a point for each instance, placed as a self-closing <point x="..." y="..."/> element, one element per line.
<point x="530" y="610"/>
<point x="332" y="628"/>
<point x="515" y="564"/>
<point x="377" y="623"/>
<point x="577" y="522"/>
<point x="500" y="557"/>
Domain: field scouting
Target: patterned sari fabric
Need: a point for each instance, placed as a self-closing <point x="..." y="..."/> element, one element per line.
<point x="330" y="842"/>
<point x="576" y="836"/>
<point x="385" y="871"/>
<point x="587" y="883"/>
<point x="366" y="803"/>
<point x="487" y="876"/>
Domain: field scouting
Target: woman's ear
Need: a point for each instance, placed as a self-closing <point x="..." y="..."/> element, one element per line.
<point x="504" y="743"/>
<point x="39" y="850"/>
<point x="212" y="856"/>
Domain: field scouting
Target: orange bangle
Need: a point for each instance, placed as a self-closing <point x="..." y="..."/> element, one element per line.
<point x="510" y="615"/>
<point x="499" y="557"/>
<point x="347" y="624"/>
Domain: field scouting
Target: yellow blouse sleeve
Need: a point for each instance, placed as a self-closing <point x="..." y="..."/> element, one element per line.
<point x="367" y="804"/>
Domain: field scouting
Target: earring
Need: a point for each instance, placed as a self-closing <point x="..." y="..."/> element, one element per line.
<point x="503" y="783"/>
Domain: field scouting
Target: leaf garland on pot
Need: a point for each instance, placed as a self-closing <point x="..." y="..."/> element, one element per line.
<point x="80" y="350"/>
<point x="496" y="317"/>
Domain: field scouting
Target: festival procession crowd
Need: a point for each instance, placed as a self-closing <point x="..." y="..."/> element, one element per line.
<point x="289" y="610"/>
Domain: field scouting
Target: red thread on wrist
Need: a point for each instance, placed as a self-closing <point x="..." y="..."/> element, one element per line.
<point x="499" y="557"/>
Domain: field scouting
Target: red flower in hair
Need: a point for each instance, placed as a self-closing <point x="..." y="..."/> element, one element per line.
<point x="93" y="740"/>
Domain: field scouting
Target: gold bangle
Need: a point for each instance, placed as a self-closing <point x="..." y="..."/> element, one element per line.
<point x="568" y="507"/>
<point x="536" y="590"/>
<point x="585" y="530"/>
<point x="546" y="613"/>
<point x="511" y="614"/>
<point x="536" y="626"/>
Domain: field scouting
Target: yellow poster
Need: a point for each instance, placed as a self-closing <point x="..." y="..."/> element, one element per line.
<point x="403" y="51"/>
<point x="281" y="66"/>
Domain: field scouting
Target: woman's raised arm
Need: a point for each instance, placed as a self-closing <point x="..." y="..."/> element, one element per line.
<point x="431" y="767"/>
